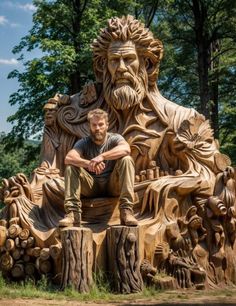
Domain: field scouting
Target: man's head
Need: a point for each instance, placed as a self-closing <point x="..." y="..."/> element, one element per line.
<point x="98" y="124"/>
<point x="126" y="61"/>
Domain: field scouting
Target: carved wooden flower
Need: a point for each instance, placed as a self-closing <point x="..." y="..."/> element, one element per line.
<point x="193" y="133"/>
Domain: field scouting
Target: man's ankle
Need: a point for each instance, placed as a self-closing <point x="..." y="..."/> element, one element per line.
<point x="72" y="218"/>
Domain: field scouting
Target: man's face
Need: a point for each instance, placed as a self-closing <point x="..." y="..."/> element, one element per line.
<point x="98" y="128"/>
<point x="49" y="117"/>
<point x="124" y="78"/>
<point x="122" y="61"/>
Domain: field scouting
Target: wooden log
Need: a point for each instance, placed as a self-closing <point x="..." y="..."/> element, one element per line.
<point x="30" y="251"/>
<point x="156" y="172"/>
<point x="17" y="242"/>
<point x="55" y="250"/>
<point x="24" y="234"/>
<point x="150" y="174"/>
<point x="6" y="262"/>
<point x="26" y="258"/>
<point x="3" y="235"/>
<point x="43" y="266"/>
<point x="18" y="270"/>
<point x="16" y="253"/>
<point x="14" y="230"/>
<point x="143" y="175"/>
<point x="44" y="254"/>
<point x="36" y="251"/>
<point x="30" y="242"/>
<point x="24" y="244"/>
<point x="124" y="259"/>
<point x="30" y="269"/>
<point x="9" y="244"/>
<point x="77" y="258"/>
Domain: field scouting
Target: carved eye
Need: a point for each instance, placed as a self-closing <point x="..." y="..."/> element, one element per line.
<point x="129" y="60"/>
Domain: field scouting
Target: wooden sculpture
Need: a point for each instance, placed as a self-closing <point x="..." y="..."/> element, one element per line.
<point x="184" y="187"/>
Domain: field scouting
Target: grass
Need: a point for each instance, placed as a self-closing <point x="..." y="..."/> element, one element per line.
<point x="100" y="292"/>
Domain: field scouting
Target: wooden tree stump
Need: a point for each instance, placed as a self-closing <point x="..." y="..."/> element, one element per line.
<point x="77" y="258"/>
<point x="164" y="282"/>
<point x="123" y="252"/>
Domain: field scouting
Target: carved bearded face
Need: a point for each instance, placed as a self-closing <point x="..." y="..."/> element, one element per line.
<point x="124" y="78"/>
<point x="50" y="117"/>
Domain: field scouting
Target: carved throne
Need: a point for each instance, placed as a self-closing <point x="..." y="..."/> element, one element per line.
<point x="183" y="232"/>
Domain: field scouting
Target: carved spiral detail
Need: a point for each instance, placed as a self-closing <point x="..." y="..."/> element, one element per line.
<point x="68" y="114"/>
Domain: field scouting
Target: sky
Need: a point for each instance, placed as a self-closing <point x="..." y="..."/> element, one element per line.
<point x="15" y="23"/>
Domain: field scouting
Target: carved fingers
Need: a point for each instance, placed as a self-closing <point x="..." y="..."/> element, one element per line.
<point x="150" y="199"/>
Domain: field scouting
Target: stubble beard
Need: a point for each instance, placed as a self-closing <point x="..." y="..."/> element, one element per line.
<point x="98" y="136"/>
<point x="128" y="95"/>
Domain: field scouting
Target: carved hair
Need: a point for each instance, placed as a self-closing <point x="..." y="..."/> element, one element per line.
<point x="124" y="29"/>
<point x="97" y="113"/>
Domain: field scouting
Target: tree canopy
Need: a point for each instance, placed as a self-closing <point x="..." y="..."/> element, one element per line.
<point x="12" y="161"/>
<point x="198" y="69"/>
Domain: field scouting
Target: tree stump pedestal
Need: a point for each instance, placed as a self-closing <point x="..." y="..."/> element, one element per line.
<point x="77" y="258"/>
<point x="124" y="259"/>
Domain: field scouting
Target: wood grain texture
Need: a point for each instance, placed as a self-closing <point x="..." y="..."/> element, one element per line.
<point x="124" y="259"/>
<point x="77" y="258"/>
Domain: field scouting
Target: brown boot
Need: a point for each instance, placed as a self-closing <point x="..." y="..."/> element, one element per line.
<point x="127" y="217"/>
<point x="73" y="218"/>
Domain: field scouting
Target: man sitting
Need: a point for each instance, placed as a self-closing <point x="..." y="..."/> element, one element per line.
<point x="99" y="165"/>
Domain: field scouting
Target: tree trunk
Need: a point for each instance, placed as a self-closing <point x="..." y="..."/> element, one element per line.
<point x="78" y="7"/>
<point x="203" y="55"/>
<point x="123" y="252"/>
<point x="77" y="258"/>
<point x="215" y="48"/>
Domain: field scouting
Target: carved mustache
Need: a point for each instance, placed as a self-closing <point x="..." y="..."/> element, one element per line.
<point x="124" y="76"/>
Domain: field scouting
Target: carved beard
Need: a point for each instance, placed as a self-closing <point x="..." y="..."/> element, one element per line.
<point x="125" y="96"/>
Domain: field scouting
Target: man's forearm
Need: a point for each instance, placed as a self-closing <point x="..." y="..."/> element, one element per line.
<point x="116" y="153"/>
<point x="84" y="163"/>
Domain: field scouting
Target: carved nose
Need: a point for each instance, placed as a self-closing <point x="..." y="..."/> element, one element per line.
<point x="122" y="66"/>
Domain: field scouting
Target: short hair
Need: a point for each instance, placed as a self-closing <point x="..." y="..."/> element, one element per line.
<point x="97" y="113"/>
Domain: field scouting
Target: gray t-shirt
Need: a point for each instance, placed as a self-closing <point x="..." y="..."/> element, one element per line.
<point x="88" y="150"/>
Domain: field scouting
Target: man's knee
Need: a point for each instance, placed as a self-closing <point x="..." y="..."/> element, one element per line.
<point x="72" y="170"/>
<point x="125" y="160"/>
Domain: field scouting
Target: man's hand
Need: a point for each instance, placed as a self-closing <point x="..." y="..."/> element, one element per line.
<point x="96" y="164"/>
<point x="98" y="159"/>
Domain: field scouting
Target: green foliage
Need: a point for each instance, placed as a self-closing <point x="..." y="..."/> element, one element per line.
<point x="64" y="29"/>
<point x="15" y="159"/>
<point x="181" y="78"/>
